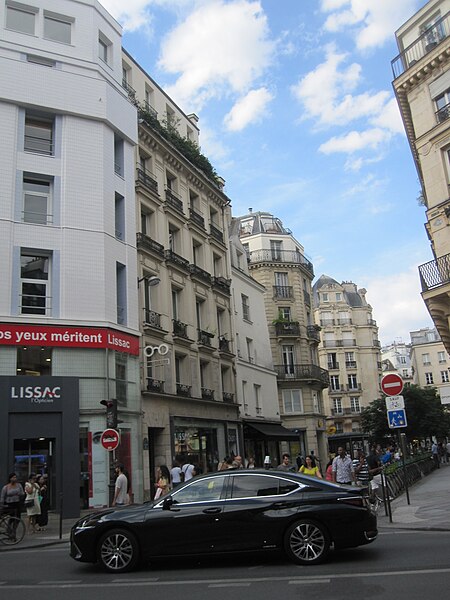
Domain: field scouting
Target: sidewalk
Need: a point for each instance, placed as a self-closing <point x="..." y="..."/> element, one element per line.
<point x="429" y="509"/>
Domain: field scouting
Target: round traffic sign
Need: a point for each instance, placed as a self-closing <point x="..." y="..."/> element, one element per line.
<point x="392" y="384"/>
<point x="110" y="439"/>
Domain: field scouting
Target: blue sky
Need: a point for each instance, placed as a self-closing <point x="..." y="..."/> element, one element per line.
<point x="298" y="115"/>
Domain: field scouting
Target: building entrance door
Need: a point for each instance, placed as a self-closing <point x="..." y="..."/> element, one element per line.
<point x="36" y="455"/>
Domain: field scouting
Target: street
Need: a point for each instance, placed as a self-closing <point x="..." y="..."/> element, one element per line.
<point x="400" y="564"/>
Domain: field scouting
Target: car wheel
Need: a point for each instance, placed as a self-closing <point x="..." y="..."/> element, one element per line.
<point x="118" y="551"/>
<point x="307" y="542"/>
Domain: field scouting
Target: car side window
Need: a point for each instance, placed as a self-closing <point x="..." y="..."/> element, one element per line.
<point x="200" y="491"/>
<point x="250" y="486"/>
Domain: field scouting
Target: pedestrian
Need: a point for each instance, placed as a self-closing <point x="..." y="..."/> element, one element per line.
<point x="12" y="496"/>
<point x="187" y="471"/>
<point x="162" y="482"/>
<point x="237" y="462"/>
<point x="251" y="463"/>
<point x="361" y="468"/>
<point x="32" y="503"/>
<point x="310" y="468"/>
<point x="329" y="471"/>
<point x="441" y="452"/>
<point x="285" y="464"/>
<point x="435" y="454"/>
<point x="299" y="460"/>
<point x="175" y="475"/>
<point x="227" y="463"/>
<point x="42" y="519"/>
<point x="120" y="493"/>
<point x="342" y="468"/>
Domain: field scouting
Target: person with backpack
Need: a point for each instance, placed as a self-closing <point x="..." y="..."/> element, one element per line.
<point x="187" y="471"/>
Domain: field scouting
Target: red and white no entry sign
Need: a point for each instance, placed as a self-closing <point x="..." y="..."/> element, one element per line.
<point x="110" y="439"/>
<point x="392" y="384"/>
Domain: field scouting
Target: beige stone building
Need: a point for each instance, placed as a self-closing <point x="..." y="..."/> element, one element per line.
<point x="422" y="86"/>
<point x="184" y="276"/>
<point x="396" y="358"/>
<point x="430" y="361"/>
<point x="349" y="349"/>
<point x="277" y="261"/>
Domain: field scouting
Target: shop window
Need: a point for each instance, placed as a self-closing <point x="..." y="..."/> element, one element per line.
<point x="32" y="360"/>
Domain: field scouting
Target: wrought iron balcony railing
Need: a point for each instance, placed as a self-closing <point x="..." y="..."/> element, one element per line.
<point x="224" y="345"/>
<point x="350" y="364"/>
<point x="174" y="200"/>
<point x="204" y="337"/>
<point x="222" y="284"/>
<point x="200" y="273"/>
<point x="207" y="394"/>
<point x="281" y="256"/>
<point x="145" y="242"/>
<point x="228" y="397"/>
<point x="216" y="233"/>
<point x="154" y="385"/>
<point x="424" y="44"/>
<point x="283" y="291"/>
<point x="312" y="331"/>
<point x="287" y="328"/>
<point x="302" y="372"/>
<point x="152" y="111"/>
<point x="435" y="273"/>
<point x="327" y="322"/>
<point x="152" y="318"/>
<point x="333" y="366"/>
<point x="146" y="178"/>
<point x="196" y="217"/>
<point x="184" y="390"/>
<point x="176" y="259"/>
<point x="180" y="329"/>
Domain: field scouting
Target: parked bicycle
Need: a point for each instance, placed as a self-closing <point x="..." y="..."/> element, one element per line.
<point x="12" y="529"/>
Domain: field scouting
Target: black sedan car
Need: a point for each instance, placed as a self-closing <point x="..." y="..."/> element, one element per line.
<point x="230" y="511"/>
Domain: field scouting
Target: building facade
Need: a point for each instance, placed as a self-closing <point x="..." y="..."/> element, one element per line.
<point x="430" y="361"/>
<point x="396" y="358"/>
<point x="422" y="87"/>
<point x="349" y="350"/>
<point x="277" y="261"/>
<point x="69" y="334"/>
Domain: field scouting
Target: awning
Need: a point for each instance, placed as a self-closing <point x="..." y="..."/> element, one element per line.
<point x="271" y="430"/>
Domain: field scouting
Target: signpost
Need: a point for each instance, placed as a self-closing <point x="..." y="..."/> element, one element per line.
<point x="397" y="418"/>
<point x="392" y="384"/>
<point x="395" y="402"/>
<point x="110" y="439"/>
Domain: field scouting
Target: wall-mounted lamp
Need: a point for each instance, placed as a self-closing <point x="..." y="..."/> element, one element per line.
<point x="151" y="280"/>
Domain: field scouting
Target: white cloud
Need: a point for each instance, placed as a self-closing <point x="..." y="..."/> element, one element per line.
<point x="357" y="163"/>
<point x="135" y="14"/>
<point x="397" y="304"/>
<point x="389" y="118"/>
<point x="326" y="95"/>
<point x="374" y="21"/>
<point x="250" y="109"/>
<point x="355" y="141"/>
<point x="221" y="48"/>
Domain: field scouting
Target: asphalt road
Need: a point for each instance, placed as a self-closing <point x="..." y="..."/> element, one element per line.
<point x="400" y="564"/>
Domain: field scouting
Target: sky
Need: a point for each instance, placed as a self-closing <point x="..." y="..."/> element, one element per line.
<point x="298" y="115"/>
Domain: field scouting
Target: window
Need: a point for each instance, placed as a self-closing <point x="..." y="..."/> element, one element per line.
<point x="338" y="296"/>
<point x="171" y="119"/>
<point x="257" y="392"/>
<point x="175" y="303"/>
<point x="121" y="293"/>
<point x="245" y="307"/>
<point x="36" y="201"/>
<point x="118" y="155"/>
<point x="284" y="312"/>
<point x="281" y="279"/>
<point x="197" y="253"/>
<point x="444" y="377"/>
<point x="316" y="402"/>
<point x="287" y="353"/>
<point x="402" y="360"/>
<point x="352" y="382"/>
<point x="326" y="317"/>
<point x="325" y="297"/>
<point x="337" y="406"/>
<point x="200" y="491"/>
<point x="355" y="405"/>
<point x="20" y="17"/>
<point x="119" y="216"/>
<point x="257" y="486"/>
<point x="292" y="401"/>
<point x="174" y="234"/>
<point x="149" y="99"/>
<point x="442" y="106"/>
<point x="121" y="378"/>
<point x="441" y="357"/>
<point x="32" y="360"/>
<point x="35" y="284"/>
<point x="57" y="27"/>
<point x="250" y="351"/>
<point x="244" y="397"/>
<point x="405" y="373"/>
<point x="275" y="249"/>
<point x="344" y="317"/>
<point x="332" y="360"/>
<point x="103" y="48"/>
<point x="429" y="378"/>
<point x="426" y="359"/>
<point x="38" y="135"/>
<point x="334" y="382"/>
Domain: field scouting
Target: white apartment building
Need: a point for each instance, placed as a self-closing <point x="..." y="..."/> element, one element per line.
<point x="277" y="261"/>
<point x="69" y="327"/>
<point x="256" y="380"/>
<point x="422" y="87"/>
<point x="396" y="358"/>
<point x="430" y="361"/>
<point x="182" y="219"/>
<point x="349" y="349"/>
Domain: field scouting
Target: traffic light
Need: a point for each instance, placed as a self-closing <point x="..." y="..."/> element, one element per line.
<point x="111" y="412"/>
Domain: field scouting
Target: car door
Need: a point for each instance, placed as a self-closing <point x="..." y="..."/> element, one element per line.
<point x="188" y="521"/>
<point x="256" y="510"/>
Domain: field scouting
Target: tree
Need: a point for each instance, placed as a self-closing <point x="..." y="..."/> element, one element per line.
<point x="425" y="414"/>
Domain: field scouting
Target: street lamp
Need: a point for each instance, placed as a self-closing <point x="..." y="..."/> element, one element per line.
<point x="152" y="280"/>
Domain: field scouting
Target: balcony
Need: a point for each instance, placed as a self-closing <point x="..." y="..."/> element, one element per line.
<point x="155" y="385"/>
<point x="224" y="345"/>
<point x="336" y="389"/>
<point x="176" y="259"/>
<point x="216" y="233"/>
<point x="228" y="397"/>
<point x="307" y="296"/>
<point x="174" y="200"/>
<point x="312" y="331"/>
<point x="152" y="319"/>
<point x="196" y="217"/>
<point x="311" y="373"/>
<point x="184" y="390"/>
<point x="333" y="366"/>
<point x="130" y="91"/>
<point x="204" y="337"/>
<point x="180" y="329"/>
<point x="354" y="387"/>
<point x="424" y="44"/>
<point x="200" y="273"/>
<point x="145" y="242"/>
<point x="207" y="394"/>
<point x="281" y="256"/>
<point x="287" y="328"/>
<point x="435" y="273"/>
<point x="147" y="179"/>
<point x="350" y="364"/>
<point x="344" y="321"/>
<point x="338" y="343"/>
<point x="283" y="291"/>
<point x="222" y="284"/>
<point x="337" y="412"/>
<point x="150" y="110"/>
<point x="327" y="322"/>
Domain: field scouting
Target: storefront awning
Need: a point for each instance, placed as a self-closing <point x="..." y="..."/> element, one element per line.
<point x="271" y="431"/>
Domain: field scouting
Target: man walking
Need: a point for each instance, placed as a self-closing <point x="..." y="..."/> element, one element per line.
<point x="342" y="468"/>
<point x="120" y="493"/>
<point x="285" y="463"/>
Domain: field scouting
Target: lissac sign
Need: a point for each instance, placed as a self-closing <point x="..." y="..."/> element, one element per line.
<point x="36" y="393"/>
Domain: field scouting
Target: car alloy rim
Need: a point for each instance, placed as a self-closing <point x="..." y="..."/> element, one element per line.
<point x="307" y="541"/>
<point x="117" y="551"/>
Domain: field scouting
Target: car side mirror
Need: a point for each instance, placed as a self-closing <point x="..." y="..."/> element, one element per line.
<point x="167" y="503"/>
